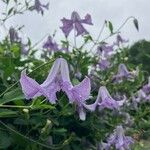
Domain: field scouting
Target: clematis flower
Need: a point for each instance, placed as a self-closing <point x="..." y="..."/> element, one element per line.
<point x="13" y="34"/>
<point x="50" y="44"/>
<point x="104" y="64"/>
<point x="120" y="40"/>
<point x="104" y="100"/>
<point x="14" y="37"/>
<point x="146" y="91"/>
<point x="105" y="50"/>
<point x="123" y="73"/>
<point x="24" y="49"/>
<point x="40" y="7"/>
<point x="146" y="88"/>
<point x="119" y="140"/>
<point x="75" y="23"/>
<point x="142" y="95"/>
<point x="58" y="79"/>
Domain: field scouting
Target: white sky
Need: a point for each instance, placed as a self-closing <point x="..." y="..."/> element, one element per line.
<point x="116" y="11"/>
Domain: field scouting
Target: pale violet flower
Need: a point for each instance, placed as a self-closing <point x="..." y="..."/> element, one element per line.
<point x="123" y="73"/>
<point x="14" y="37"/>
<point x="51" y="45"/>
<point x="120" y="40"/>
<point x="142" y="95"/>
<point x="104" y="100"/>
<point x="105" y="50"/>
<point x="104" y="64"/>
<point x="39" y="7"/>
<point x="13" y="34"/>
<point x="146" y="88"/>
<point x="75" y="23"/>
<point x="119" y="140"/>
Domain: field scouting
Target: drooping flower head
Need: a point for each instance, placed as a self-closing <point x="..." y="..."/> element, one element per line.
<point x="146" y="88"/>
<point x="104" y="64"/>
<point x="24" y="48"/>
<point x="119" y="140"/>
<point x="13" y="34"/>
<point x="51" y="45"/>
<point x="14" y="37"/>
<point x="40" y="7"/>
<point x="142" y="95"/>
<point x="120" y="40"/>
<point x="104" y="100"/>
<point x="123" y="73"/>
<point x="75" y="23"/>
<point x="105" y="50"/>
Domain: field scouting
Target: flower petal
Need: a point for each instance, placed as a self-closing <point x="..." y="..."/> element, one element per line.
<point x="87" y="19"/>
<point x="53" y="73"/>
<point x="81" y="92"/>
<point x="67" y="26"/>
<point x="80" y="29"/>
<point x="29" y="86"/>
<point x="65" y="71"/>
<point x="82" y="113"/>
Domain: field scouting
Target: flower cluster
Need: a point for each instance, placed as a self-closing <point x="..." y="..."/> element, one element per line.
<point x="59" y="79"/>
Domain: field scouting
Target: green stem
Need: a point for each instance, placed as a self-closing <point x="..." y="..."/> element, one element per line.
<point x="60" y="146"/>
<point x="99" y="35"/>
<point x="112" y="34"/>
<point x="117" y="31"/>
<point x="12" y="106"/>
<point x="19" y="11"/>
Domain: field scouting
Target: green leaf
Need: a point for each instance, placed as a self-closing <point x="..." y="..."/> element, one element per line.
<point x="5" y="140"/>
<point x="59" y="131"/>
<point x="7" y="113"/>
<point x="110" y="27"/>
<point x="87" y="38"/>
<point x="10" y="10"/>
<point x="43" y="106"/>
<point x="13" y="95"/>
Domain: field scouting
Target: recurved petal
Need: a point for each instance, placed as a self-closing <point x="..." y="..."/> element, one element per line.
<point x="65" y="71"/>
<point x="87" y="19"/>
<point x="82" y="113"/>
<point x="51" y="91"/>
<point x="123" y="70"/>
<point x="80" y="29"/>
<point x="104" y="93"/>
<point x="53" y="73"/>
<point x="90" y="107"/>
<point x="67" y="26"/>
<point x="29" y="86"/>
<point x="81" y="91"/>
